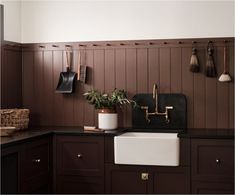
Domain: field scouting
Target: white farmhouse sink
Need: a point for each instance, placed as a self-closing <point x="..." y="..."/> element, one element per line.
<point x="137" y="148"/>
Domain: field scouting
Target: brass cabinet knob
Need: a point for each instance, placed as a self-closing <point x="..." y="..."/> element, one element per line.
<point x="37" y="160"/>
<point x="144" y="176"/>
<point x="79" y="155"/>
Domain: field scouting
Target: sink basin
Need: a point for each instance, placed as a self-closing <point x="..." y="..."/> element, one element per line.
<point x="138" y="148"/>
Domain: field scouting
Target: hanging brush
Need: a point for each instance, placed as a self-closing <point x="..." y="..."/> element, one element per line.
<point x="210" y="65"/>
<point x="194" y="64"/>
<point x="225" y="77"/>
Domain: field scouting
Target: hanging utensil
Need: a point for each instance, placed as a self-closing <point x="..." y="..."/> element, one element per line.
<point x="81" y="69"/>
<point x="225" y="77"/>
<point x="67" y="79"/>
<point x="210" y="65"/>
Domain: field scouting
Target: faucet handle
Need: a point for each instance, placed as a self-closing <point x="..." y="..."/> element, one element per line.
<point x="169" y="107"/>
<point x="144" y="107"/>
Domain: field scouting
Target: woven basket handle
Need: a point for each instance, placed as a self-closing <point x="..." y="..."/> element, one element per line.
<point x="7" y="112"/>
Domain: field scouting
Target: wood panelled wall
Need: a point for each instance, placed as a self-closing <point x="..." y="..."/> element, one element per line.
<point x="133" y="66"/>
<point x="11" y="75"/>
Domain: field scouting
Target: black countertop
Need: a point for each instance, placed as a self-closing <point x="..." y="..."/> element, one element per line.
<point x="33" y="132"/>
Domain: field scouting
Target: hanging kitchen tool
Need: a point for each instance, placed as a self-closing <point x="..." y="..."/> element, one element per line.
<point x="225" y="77"/>
<point x="210" y="65"/>
<point x="67" y="79"/>
<point x="194" y="64"/>
<point x="81" y="69"/>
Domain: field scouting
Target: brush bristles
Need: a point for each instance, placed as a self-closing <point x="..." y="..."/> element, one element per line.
<point x="194" y="65"/>
<point x="210" y="67"/>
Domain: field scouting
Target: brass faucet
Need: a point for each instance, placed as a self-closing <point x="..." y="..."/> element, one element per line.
<point x="156" y="112"/>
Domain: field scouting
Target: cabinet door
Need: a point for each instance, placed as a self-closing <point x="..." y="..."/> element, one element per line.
<point x="36" y="166"/>
<point x="212" y="160"/>
<point x="9" y="172"/>
<point x="125" y="179"/>
<point x="171" y="180"/>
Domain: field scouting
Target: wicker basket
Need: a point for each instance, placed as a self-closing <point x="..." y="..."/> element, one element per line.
<point x="18" y="118"/>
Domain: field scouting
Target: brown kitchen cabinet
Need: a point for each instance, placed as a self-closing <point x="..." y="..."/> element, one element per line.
<point x="26" y="167"/>
<point x="36" y="167"/>
<point x="212" y="166"/>
<point x="80" y="164"/>
<point x="10" y="170"/>
<point x="126" y="179"/>
<point x="129" y="179"/>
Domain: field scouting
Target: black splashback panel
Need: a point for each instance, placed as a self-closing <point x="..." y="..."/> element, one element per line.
<point x="177" y="116"/>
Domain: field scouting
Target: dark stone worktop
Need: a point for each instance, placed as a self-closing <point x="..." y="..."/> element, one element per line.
<point x="31" y="133"/>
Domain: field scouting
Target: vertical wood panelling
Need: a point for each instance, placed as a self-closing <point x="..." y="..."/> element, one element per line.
<point x="135" y="69"/>
<point x="199" y="93"/>
<point x="89" y="117"/>
<point x="176" y="70"/>
<point x="28" y="85"/>
<point x="99" y="74"/>
<point x="153" y="68"/>
<point x="48" y="92"/>
<point x="187" y="85"/>
<point x="38" y="86"/>
<point x="222" y="94"/>
<point x="79" y="90"/>
<point x="142" y="70"/>
<point x="11" y="77"/>
<point x="120" y="77"/>
<point x="109" y="70"/>
<point x="231" y="86"/>
<point x="165" y="77"/>
<point x="130" y="79"/>
<point x="58" y="103"/>
<point x="68" y="99"/>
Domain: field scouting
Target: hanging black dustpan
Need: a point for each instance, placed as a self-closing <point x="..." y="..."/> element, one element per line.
<point x="67" y="79"/>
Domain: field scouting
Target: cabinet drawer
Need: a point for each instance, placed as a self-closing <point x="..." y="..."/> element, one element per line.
<point x="35" y="159"/>
<point x="79" y="185"/>
<point x="80" y="155"/>
<point x="212" y="159"/>
<point x="212" y="188"/>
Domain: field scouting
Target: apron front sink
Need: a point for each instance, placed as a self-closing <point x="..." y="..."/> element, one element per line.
<point x="140" y="148"/>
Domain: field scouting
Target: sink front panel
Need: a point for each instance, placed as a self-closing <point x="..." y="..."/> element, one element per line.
<point x="160" y="149"/>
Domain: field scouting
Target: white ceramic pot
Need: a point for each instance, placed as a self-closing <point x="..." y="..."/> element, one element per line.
<point x="107" y="121"/>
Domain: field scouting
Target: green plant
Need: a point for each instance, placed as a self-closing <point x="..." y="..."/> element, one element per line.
<point x="103" y="100"/>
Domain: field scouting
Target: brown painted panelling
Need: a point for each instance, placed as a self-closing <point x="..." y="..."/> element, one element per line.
<point x="199" y="93"/>
<point x="165" y="65"/>
<point x="89" y="116"/>
<point x="142" y="70"/>
<point x="120" y="80"/>
<point x="28" y="84"/>
<point x="129" y="66"/>
<point x="176" y="70"/>
<point x="131" y="78"/>
<point x="222" y="94"/>
<point x="58" y="103"/>
<point x="11" y="76"/>
<point x="153" y="68"/>
<point x="187" y="85"/>
<point x="231" y="87"/>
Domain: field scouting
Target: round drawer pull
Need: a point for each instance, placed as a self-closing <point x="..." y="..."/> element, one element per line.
<point x="79" y="155"/>
<point x="37" y="160"/>
<point x="217" y="161"/>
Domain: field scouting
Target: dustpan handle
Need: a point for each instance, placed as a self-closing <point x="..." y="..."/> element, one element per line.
<point x="67" y="60"/>
<point x="79" y="65"/>
<point x="225" y="59"/>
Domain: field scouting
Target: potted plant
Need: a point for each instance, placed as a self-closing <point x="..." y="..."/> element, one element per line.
<point x="106" y="105"/>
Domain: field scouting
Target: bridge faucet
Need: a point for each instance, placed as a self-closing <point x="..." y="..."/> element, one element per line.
<point x="156" y="112"/>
